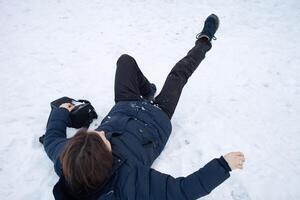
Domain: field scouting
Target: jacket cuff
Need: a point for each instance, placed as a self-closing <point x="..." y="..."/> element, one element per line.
<point x="61" y="114"/>
<point x="224" y="164"/>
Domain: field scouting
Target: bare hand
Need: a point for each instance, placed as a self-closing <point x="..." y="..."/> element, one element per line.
<point x="67" y="106"/>
<point x="235" y="160"/>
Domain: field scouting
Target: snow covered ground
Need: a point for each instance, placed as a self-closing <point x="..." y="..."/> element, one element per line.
<point x="245" y="96"/>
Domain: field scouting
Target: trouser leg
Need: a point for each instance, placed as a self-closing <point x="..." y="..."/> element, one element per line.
<point x="130" y="83"/>
<point x="168" y="98"/>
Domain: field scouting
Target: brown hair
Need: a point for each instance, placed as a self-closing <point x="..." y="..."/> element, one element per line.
<point x="86" y="162"/>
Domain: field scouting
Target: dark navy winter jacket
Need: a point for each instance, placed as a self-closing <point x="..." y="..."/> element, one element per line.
<point x="138" y="132"/>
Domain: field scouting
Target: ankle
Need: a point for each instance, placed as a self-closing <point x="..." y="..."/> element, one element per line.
<point x="203" y="39"/>
<point x="200" y="36"/>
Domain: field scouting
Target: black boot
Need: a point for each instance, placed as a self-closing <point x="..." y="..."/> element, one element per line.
<point x="211" y="25"/>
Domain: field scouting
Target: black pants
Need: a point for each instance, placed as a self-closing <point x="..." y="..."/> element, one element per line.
<point x="132" y="85"/>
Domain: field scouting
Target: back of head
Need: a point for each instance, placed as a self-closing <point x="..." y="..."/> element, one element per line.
<point x="86" y="162"/>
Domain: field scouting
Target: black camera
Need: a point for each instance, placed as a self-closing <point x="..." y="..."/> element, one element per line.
<point x="81" y="115"/>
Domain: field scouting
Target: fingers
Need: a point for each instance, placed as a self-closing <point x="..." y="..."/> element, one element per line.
<point x="241" y="160"/>
<point x="235" y="160"/>
<point x="67" y="106"/>
<point x="238" y="153"/>
<point x="239" y="156"/>
<point x="70" y="105"/>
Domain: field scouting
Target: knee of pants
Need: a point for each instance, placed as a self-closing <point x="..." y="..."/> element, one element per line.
<point x="186" y="63"/>
<point x="125" y="59"/>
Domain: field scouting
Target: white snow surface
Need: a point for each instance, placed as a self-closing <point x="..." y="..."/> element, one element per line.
<point x="245" y="96"/>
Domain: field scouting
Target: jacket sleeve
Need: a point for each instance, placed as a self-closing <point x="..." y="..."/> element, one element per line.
<point x="55" y="137"/>
<point x="194" y="186"/>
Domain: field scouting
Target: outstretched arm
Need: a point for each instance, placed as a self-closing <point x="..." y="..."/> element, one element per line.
<point x="194" y="186"/>
<point x="55" y="137"/>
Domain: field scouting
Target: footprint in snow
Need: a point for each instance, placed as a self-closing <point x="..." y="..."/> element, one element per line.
<point x="239" y="192"/>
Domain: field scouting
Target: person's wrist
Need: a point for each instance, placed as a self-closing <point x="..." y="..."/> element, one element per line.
<point x="224" y="164"/>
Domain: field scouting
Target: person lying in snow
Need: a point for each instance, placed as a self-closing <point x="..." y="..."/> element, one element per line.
<point x="114" y="161"/>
